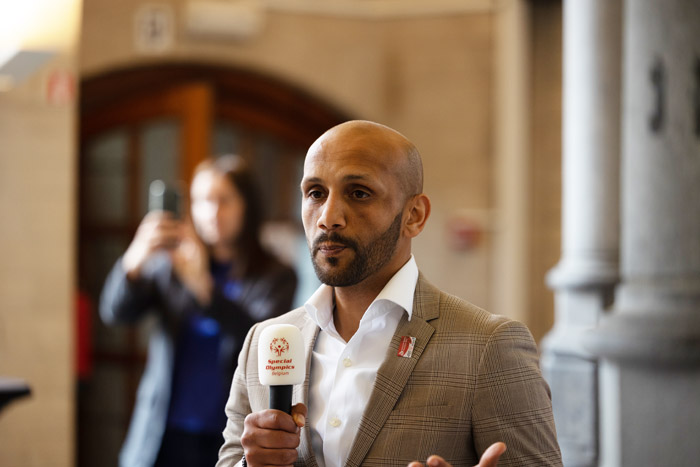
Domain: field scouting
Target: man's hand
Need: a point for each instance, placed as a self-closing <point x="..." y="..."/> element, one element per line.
<point x="488" y="459"/>
<point x="271" y="437"/>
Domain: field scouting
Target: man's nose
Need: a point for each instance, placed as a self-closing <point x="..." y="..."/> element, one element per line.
<point x="332" y="214"/>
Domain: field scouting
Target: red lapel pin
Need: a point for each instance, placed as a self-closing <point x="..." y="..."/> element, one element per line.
<point x="406" y="347"/>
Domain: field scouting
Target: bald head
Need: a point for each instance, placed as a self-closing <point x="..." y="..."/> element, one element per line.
<point x="388" y="145"/>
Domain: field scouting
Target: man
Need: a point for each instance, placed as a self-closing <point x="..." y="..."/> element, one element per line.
<point x="397" y="370"/>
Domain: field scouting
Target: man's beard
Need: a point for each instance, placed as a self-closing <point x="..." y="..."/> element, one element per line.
<point x="368" y="258"/>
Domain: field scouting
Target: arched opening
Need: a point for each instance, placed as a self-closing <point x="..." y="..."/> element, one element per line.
<point x="159" y="121"/>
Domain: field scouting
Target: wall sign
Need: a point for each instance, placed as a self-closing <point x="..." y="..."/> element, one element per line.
<point x="154" y="28"/>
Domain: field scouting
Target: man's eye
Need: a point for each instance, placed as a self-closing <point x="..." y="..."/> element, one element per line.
<point x="360" y="194"/>
<point x="315" y="194"/>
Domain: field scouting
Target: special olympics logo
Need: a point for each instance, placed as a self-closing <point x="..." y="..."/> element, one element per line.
<point x="279" y="345"/>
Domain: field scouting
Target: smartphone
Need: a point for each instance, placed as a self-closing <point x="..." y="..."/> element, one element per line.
<point x="162" y="197"/>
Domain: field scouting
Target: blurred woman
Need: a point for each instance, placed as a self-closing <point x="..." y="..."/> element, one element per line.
<point x="207" y="281"/>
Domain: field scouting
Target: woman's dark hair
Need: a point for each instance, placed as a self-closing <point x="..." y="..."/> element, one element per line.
<point x="251" y="259"/>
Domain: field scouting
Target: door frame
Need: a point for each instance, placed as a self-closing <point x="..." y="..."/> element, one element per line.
<point x="245" y="96"/>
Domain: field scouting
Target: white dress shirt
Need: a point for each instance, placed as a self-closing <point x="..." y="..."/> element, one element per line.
<point x="343" y="373"/>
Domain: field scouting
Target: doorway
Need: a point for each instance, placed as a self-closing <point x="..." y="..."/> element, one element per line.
<point x="158" y="122"/>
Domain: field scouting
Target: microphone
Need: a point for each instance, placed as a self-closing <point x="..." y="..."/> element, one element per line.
<point x="281" y="363"/>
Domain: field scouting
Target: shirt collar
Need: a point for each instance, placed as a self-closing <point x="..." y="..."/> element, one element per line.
<point x="399" y="290"/>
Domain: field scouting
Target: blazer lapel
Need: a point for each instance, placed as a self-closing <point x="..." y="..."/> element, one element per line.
<point x="395" y="370"/>
<point x="309" y="332"/>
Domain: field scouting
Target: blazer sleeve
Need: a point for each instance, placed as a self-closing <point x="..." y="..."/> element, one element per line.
<point x="237" y="407"/>
<point x="512" y="401"/>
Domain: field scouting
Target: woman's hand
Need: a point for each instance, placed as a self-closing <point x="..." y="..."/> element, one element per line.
<point x="191" y="264"/>
<point x="158" y="230"/>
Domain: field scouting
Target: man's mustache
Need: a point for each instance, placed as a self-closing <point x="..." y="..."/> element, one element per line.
<point x="333" y="238"/>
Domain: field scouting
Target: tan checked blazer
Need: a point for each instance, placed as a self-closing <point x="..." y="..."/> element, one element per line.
<point x="473" y="379"/>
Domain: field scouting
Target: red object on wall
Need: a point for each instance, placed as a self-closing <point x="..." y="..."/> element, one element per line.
<point x="60" y="87"/>
<point x="463" y="233"/>
<point x="83" y="334"/>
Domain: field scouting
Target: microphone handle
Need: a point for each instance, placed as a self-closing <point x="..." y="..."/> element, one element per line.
<point x="281" y="398"/>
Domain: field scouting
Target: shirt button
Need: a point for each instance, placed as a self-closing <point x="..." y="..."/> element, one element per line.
<point x="335" y="422"/>
<point x="347" y="362"/>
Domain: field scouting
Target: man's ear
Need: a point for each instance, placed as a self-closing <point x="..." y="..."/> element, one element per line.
<point x="418" y="213"/>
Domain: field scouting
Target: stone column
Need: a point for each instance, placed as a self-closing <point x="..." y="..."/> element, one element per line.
<point x="584" y="279"/>
<point x="650" y="344"/>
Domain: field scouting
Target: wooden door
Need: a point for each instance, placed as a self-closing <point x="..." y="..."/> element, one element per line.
<point x="159" y="122"/>
<point x="162" y="135"/>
